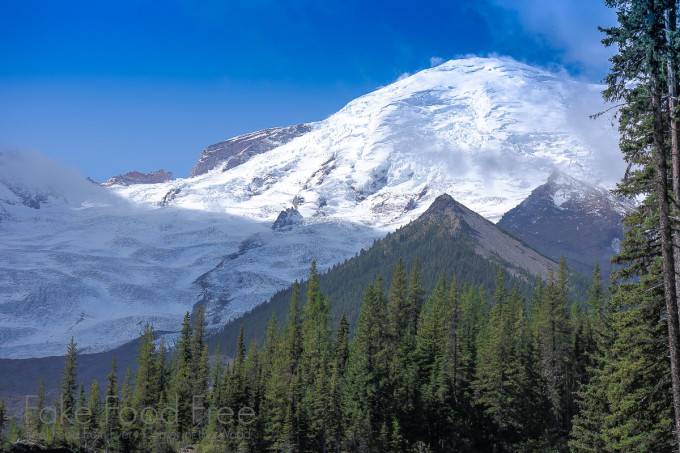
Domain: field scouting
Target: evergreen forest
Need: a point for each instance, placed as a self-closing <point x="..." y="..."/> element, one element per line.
<point x="431" y="361"/>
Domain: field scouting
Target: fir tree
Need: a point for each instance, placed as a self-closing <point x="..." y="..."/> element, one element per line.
<point x="397" y="309"/>
<point x="35" y="420"/>
<point x="3" y="416"/>
<point x="272" y="399"/>
<point x="315" y="363"/>
<point x="110" y="419"/>
<point x="638" y="80"/>
<point x="181" y="387"/>
<point x="68" y="388"/>
<point x="94" y="406"/>
<point x="367" y="387"/>
<point x="553" y="337"/>
<point x="148" y="373"/>
<point x="415" y="297"/>
<point x="340" y="356"/>
<point x="292" y="350"/>
<point x="431" y="341"/>
<point x="198" y="353"/>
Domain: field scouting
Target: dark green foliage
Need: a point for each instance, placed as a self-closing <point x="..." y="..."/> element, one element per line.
<point x="554" y="347"/>
<point x="3" y="416"/>
<point x="626" y="406"/>
<point x="508" y="386"/>
<point x="34" y="423"/>
<point x="435" y="246"/>
<point x="466" y="373"/>
<point x="68" y="388"/>
<point x="367" y="386"/>
<point x="181" y="384"/>
<point x="627" y="402"/>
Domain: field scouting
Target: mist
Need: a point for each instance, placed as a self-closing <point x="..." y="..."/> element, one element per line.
<point x="33" y="171"/>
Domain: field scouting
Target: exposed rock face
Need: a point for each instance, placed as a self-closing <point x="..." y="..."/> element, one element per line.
<point x="28" y="197"/>
<point x="135" y="177"/>
<point x="287" y="219"/>
<point x="490" y="240"/>
<point x="570" y="217"/>
<point x="238" y="150"/>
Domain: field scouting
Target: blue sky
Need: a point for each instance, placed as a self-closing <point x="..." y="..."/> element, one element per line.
<point x="114" y="86"/>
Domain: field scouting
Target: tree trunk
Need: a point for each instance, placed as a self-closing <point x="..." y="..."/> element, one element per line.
<point x="668" y="262"/>
<point x="670" y="23"/>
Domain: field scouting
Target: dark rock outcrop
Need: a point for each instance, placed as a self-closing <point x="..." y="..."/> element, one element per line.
<point x="135" y="177"/>
<point x="238" y="150"/>
<point x="286" y="219"/>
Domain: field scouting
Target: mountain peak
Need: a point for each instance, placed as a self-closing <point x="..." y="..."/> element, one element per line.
<point x="555" y="216"/>
<point x="136" y="177"/>
<point x="443" y="204"/>
<point x="490" y="241"/>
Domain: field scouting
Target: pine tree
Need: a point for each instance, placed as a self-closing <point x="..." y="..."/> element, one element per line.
<point x="110" y="417"/>
<point x="289" y="438"/>
<point x="80" y="413"/>
<point x="94" y="406"/>
<point x="274" y="397"/>
<point x="146" y="392"/>
<point x="91" y="438"/>
<point x="68" y="387"/>
<point x="596" y="293"/>
<point x="554" y="339"/>
<point x="431" y="341"/>
<point x="397" y="309"/>
<point x="620" y="409"/>
<point x="340" y="356"/>
<point x="591" y="399"/>
<point x="367" y="391"/>
<point x="126" y="413"/>
<point x="254" y="387"/>
<point x="315" y="363"/>
<point x="293" y="332"/>
<point x="638" y="81"/>
<point x="415" y="297"/>
<point x="3" y="416"/>
<point x="635" y="380"/>
<point x="198" y="344"/>
<point x="508" y="386"/>
<point x="35" y="420"/>
<point x="181" y="386"/>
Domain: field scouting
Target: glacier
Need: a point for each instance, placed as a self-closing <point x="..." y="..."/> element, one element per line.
<point x="97" y="263"/>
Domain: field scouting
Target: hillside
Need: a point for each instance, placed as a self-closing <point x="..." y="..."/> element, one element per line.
<point x="447" y="238"/>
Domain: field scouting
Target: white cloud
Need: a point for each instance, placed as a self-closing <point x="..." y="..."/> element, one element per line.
<point x="568" y="26"/>
<point x="403" y="76"/>
<point x="37" y="173"/>
<point x="436" y="61"/>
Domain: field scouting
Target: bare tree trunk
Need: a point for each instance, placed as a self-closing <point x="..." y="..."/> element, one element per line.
<point x="668" y="262"/>
<point x="670" y="21"/>
<point x="671" y="24"/>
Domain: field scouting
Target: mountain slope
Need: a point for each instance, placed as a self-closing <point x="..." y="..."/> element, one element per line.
<point x="448" y="237"/>
<point x="570" y="217"/>
<point x="486" y="131"/>
<point x="236" y="151"/>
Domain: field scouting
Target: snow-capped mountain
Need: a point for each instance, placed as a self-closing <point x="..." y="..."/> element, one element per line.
<point x="571" y="217"/>
<point x="488" y="131"/>
<point x="263" y="206"/>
